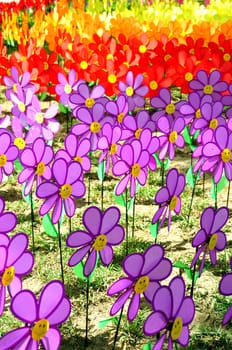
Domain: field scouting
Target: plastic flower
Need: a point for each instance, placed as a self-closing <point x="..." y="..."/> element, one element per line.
<point x="118" y="109"/>
<point x="8" y="153"/>
<point x="15" y="262"/>
<point x="66" y="86"/>
<point x="132" y="164"/>
<point x="8" y="220"/>
<point x="67" y="186"/>
<point x="23" y="137"/>
<point x="135" y="124"/>
<point x="210" y="238"/>
<point x="168" y="197"/>
<point x="163" y="102"/>
<point x="15" y="80"/>
<point x="171" y="316"/>
<point x="102" y="232"/>
<point x="42" y="318"/>
<point x="21" y="101"/>
<point x="144" y="273"/>
<point x="225" y="288"/>
<point x="151" y="144"/>
<point x="35" y="161"/>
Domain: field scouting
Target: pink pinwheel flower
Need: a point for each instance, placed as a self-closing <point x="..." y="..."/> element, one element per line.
<point x="42" y="318"/>
<point x="210" y="238"/>
<point x="44" y="122"/>
<point x="76" y="150"/>
<point x="144" y="273"/>
<point x="171" y="316"/>
<point x="109" y="144"/>
<point x="13" y="82"/>
<point x="35" y="161"/>
<point x="135" y="124"/>
<point x="8" y="220"/>
<point x="91" y="123"/>
<point x="118" y="109"/>
<point x="132" y="164"/>
<point x="8" y="153"/>
<point x="67" y="86"/>
<point x="225" y="288"/>
<point x="211" y="84"/>
<point x="15" y="262"/>
<point x="172" y="136"/>
<point x="151" y="144"/>
<point x="68" y="185"/>
<point x="103" y="232"/>
<point x="134" y="90"/>
<point x="168" y="197"/>
<point x="21" y="102"/>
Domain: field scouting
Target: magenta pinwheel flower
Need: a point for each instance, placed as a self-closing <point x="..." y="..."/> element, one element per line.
<point x="211" y="84"/>
<point x="36" y="162"/>
<point x="134" y="90"/>
<point x="8" y="153"/>
<point x="135" y="124"/>
<point x="15" y="80"/>
<point x="132" y="164"/>
<point x="8" y="220"/>
<point x="68" y="185"/>
<point x="42" y="318"/>
<point x="172" y="136"/>
<point x="210" y="238"/>
<point x="144" y="273"/>
<point x="102" y="232"/>
<point x="15" y="262"/>
<point x="21" y="101"/>
<point x="168" y="197"/>
<point x="75" y="150"/>
<point x="151" y="144"/>
<point x="225" y="288"/>
<point x="171" y="316"/>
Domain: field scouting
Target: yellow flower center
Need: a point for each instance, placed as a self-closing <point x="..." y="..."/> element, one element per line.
<point x="84" y="65"/>
<point x="135" y="170"/>
<point x="40" y="168"/>
<point x="40" y="329"/>
<point x="8" y="276"/>
<point x="39" y="117"/>
<point x="192" y="51"/>
<point x="208" y="89"/>
<point x="188" y="76"/>
<point x="78" y="159"/>
<point x="129" y="91"/>
<point x="170" y="108"/>
<point x="126" y="64"/>
<point x="120" y="117"/>
<point x="15" y="88"/>
<point x="66" y="191"/>
<point x="198" y="113"/>
<point x="173" y="136"/>
<point x="173" y="203"/>
<point x="138" y="133"/>
<point x="226" y="57"/>
<point x="70" y="46"/>
<point x="100" y="242"/>
<point x="109" y="56"/>
<point x="166" y="57"/>
<point x="177" y="328"/>
<point x="142" y="284"/>
<point x="95" y="127"/>
<point x="112" y="78"/>
<point x="142" y="49"/>
<point x="46" y="66"/>
<point x="213" y="124"/>
<point x="213" y="241"/>
<point x="113" y="148"/>
<point x="3" y="160"/>
<point x="153" y="85"/>
<point x="19" y="142"/>
<point x="89" y="102"/>
<point x="225" y="155"/>
<point x="21" y="106"/>
<point x="67" y="89"/>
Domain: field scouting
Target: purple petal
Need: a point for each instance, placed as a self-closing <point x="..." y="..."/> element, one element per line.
<point x="8" y="221"/>
<point x="14" y="337"/>
<point x="78" y="255"/>
<point x="161" y="271"/>
<point x="186" y="311"/>
<point x="151" y="290"/>
<point x="60" y="313"/>
<point x="171" y="180"/>
<point x="225" y="285"/>
<point x="207" y="219"/>
<point x="48" y="204"/>
<point x="133" y="307"/>
<point x="163" y="301"/>
<point x="17" y="246"/>
<point x="227" y="316"/>
<point x="220" y="219"/>
<point x="15" y="286"/>
<point x="120" y="301"/>
<point x="78" y="238"/>
<point x="70" y="207"/>
<point x="110" y="218"/>
<point x="120" y="285"/>
<point x="106" y="255"/>
<point x="24" y="264"/>
<point x="92" y="219"/>
<point x="73" y="172"/>
<point x="155" y="322"/>
<point x="27" y="158"/>
<point x="199" y="238"/>
<point x="221" y="241"/>
<point x="152" y="257"/>
<point x="52" y="339"/>
<point x="24" y="306"/>
<point x="59" y="169"/>
<point x="184" y="337"/>
<point x="122" y="185"/>
<point x="46" y="189"/>
<point x="116" y="235"/>
<point x="47" y="302"/>
<point x="120" y="168"/>
<point x="56" y="214"/>
<point x="133" y="265"/>
<point x="78" y="189"/>
<point x="90" y="263"/>
<point x="162" y="196"/>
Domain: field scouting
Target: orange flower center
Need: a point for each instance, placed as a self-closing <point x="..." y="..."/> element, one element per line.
<point x="173" y="203"/>
<point x="40" y="169"/>
<point x="177" y="328"/>
<point x="153" y="85"/>
<point x="198" y="113"/>
<point x="135" y="170"/>
<point x="138" y="133"/>
<point x="226" y="57"/>
<point x="78" y="159"/>
<point x="213" y="124"/>
<point x="3" y="160"/>
<point x="173" y="136"/>
<point x="188" y="76"/>
<point x="113" y="148"/>
<point x="120" y="117"/>
<point x="213" y="241"/>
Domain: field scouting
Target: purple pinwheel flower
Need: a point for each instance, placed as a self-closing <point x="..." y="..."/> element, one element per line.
<point x="171" y="316"/>
<point x="210" y="238"/>
<point x="132" y="164"/>
<point x="4" y="120"/>
<point x="67" y="86"/>
<point x="42" y="318"/>
<point x="135" y="124"/>
<point x="118" y="109"/>
<point x="22" y="137"/>
<point x="172" y="136"/>
<point x="35" y="161"/>
<point x="109" y="145"/>
<point x="217" y="155"/>
<point x="15" y="262"/>
<point x="76" y="150"/>
<point x="67" y="186"/>
<point x="44" y="122"/>
<point x="15" y="81"/>
<point x="211" y="84"/>
<point x="151" y="144"/>
<point x="8" y="220"/>
<point x="21" y="102"/>
<point x="227" y="101"/>
<point x="91" y="123"/>
<point x="225" y="288"/>
<point x="168" y="197"/>
<point x="134" y="90"/>
<point x="83" y="97"/>
<point x="103" y="232"/>
<point x="144" y="273"/>
<point x="8" y="153"/>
